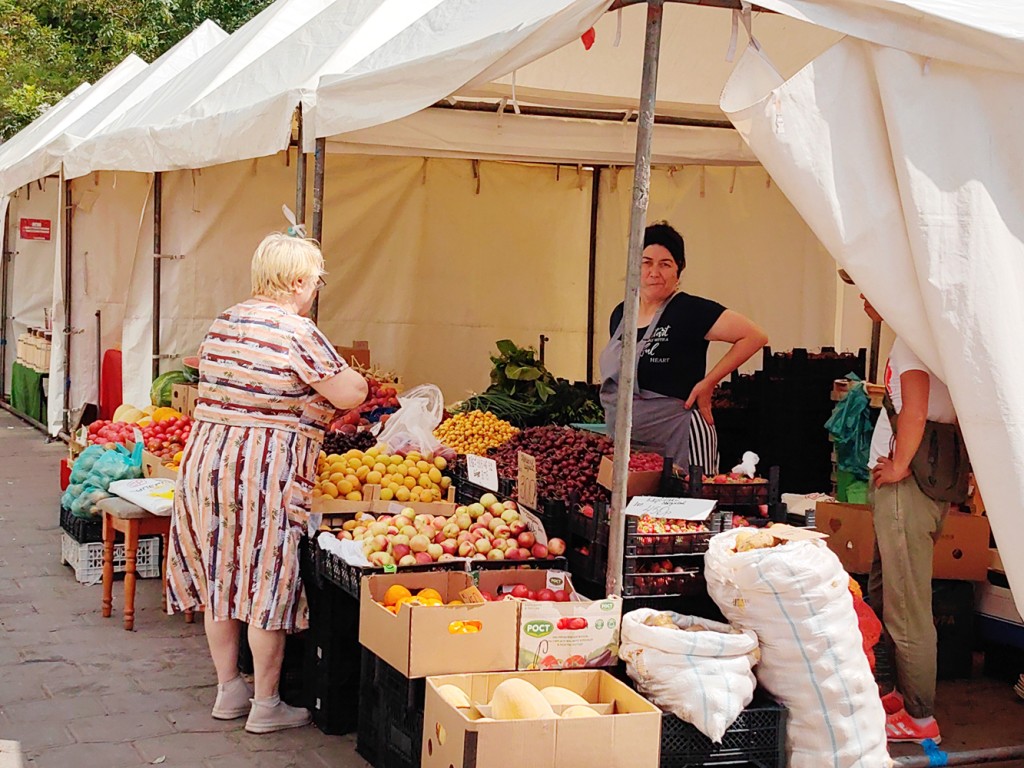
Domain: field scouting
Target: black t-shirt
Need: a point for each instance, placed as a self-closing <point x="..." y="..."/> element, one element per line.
<point x="676" y="355"/>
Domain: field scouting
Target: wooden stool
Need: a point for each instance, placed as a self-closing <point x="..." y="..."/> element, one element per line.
<point x="133" y="521"/>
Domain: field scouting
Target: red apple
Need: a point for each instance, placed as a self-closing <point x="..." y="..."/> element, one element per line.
<point x="526" y="539"/>
<point x="540" y="551"/>
<point x="524" y="554"/>
<point x="531" y="595"/>
<point x="520" y="590"/>
<point x="556" y="547"/>
<point x="561" y="596"/>
<point x="424" y="558"/>
<point x="517" y="527"/>
<point x="512" y="553"/>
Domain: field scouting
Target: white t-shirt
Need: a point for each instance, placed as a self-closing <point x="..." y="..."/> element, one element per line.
<point x="940" y="405"/>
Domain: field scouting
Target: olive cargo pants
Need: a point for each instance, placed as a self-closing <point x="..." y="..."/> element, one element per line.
<point x="907" y="525"/>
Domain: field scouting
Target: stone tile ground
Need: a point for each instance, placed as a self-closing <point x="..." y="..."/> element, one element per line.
<point x="77" y="690"/>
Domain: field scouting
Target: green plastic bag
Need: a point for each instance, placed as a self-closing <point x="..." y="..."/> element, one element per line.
<point x="851" y="428"/>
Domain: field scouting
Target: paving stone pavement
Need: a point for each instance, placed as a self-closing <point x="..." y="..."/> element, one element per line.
<point x="75" y="688"/>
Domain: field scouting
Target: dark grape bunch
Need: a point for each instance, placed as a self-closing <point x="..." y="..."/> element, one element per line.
<point x="339" y="442"/>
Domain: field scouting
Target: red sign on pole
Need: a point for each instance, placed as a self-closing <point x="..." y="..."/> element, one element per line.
<point x="35" y="229"/>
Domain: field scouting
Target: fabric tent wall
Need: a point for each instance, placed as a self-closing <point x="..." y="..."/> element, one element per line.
<point x="924" y="206"/>
<point x="746" y="247"/>
<point x="30" y="275"/>
<point x="108" y="216"/>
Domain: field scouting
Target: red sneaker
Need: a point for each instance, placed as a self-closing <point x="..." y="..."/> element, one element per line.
<point x="900" y="727"/>
<point x="892" y="702"/>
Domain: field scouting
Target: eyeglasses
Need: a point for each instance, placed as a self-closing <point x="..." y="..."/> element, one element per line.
<point x="320" y="283"/>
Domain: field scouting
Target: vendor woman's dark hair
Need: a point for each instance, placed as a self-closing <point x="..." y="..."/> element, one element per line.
<point x="664" y="234"/>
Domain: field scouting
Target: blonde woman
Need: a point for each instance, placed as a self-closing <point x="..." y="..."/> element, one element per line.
<point x="269" y="383"/>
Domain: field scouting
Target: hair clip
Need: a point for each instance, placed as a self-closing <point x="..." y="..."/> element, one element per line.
<point x="295" y="229"/>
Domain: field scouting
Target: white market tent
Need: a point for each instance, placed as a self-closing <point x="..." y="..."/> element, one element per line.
<point x="921" y="202"/>
<point x="34" y="156"/>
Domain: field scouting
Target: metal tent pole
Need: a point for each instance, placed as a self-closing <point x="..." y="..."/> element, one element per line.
<point x="972" y="757"/>
<point x="319" y="157"/>
<point x="5" y="261"/>
<point x="876" y="341"/>
<point x="595" y="199"/>
<point x="68" y="330"/>
<point x="158" y="209"/>
<point x="631" y="304"/>
<point x="300" y="172"/>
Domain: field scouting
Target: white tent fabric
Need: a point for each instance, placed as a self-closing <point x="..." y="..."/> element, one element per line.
<point x="907" y="167"/>
<point x="34" y="133"/>
<point x="89" y="118"/>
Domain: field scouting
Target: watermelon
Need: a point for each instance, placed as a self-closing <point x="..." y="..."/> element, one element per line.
<point x="191" y="366"/>
<point x="160" y="392"/>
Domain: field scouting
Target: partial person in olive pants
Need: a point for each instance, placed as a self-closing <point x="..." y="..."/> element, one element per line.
<point x="907" y="523"/>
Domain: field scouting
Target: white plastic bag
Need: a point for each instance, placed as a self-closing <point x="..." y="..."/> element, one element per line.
<point x="703" y="677"/>
<point x="796" y="598"/>
<point x="411" y="427"/>
<point x="155" y="495"/>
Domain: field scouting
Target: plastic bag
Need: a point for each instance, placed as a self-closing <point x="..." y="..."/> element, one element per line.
<point x="104" y="468"/>
<point x="702" y="677"/>
<point x="412" y="427"/>
<point x="84" y="463"/>
<point x="796" y="598"/>
<point x="851" y="427"/>
<point x="154" y="494"/>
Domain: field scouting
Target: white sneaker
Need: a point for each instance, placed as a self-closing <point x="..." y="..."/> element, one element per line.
<point x="1019" y="687"/>
<point x="271" y="715"/>
<point x="232" y="699"/>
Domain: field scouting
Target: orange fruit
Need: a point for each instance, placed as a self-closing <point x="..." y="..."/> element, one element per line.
<point x="429" y="594"/>
<point x="394" y="593"/>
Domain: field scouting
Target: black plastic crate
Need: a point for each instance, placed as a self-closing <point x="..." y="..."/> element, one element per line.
<point x="695" y="605"/>
<point x="588" y="561"/>
<point x="688" y="583"/>
<point x="391" y="715"/>
<point x="333" y="570"/>
<point x="801" y="363"/>
<point x="553" y="564"/>
<point x="592" y="527"/>
<point x="82" y="530"/>
<point x="667" y="544"/>
<point x="953" y="613"/>
<point x="292" y="687"/>
<point x="757" y="739"/>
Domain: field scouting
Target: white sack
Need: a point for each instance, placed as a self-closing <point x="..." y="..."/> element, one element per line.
<point x="796" y="598"/>
<point x="704" y="678"/>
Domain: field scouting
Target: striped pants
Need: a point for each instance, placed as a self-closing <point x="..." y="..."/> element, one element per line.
<point x="703" y="444"/>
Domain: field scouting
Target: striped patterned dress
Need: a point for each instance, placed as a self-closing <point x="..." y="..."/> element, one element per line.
<point x="245" y="486"/>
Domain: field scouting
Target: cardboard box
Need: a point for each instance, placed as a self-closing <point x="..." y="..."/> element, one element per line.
<point x="153" y="466"/>
<point x="637" y="484"/>
<point x="630" y="737"/>
<point x="183" y="398"/>
<point x="547" y="636"/>
<point x="357" y="354"/>
<point x="961" y="552"/>
<point x="417" y="641"/>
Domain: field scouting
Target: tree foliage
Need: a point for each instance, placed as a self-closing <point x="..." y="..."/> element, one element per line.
<point x="49" y="47"/>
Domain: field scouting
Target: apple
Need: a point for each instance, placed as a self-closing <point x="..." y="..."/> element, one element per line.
<point x="419" y="543"/>
<point x="497" y="509"/>
<point x="556" y="547"/>
<point x="450" y="530"/>
<point x="502" y="531"/>
<point x="378" y="529"/>
<point x="512" y="553"/>
<point x="479" y="556"/>
<point x="485" y="519"/>
<point x="435" y="551"/>
<point x="467" y="548"/>
<point x="517" y="527"/>
<point x="439" y="537"/>
<point x="524" y="554"/>
<point x="449" y="546"/>
<point x="483" y="546"/>
<point x="463" y="536"/>
<point x="423" y="558"/>
<point x="520" y="590"/>
<point x="531" y="595"/>
<point x="385" y="519"/>
<point x="463" y="521"/>
<point x="381" y="559"/>
<point x="488" y="499"/>
<point x="475" y="510"/>
<point x="540" y="551"/>
<point x="409" y="531"/>
<point x="495" y="554"/>
<point x="409" y="514"/>
<point x="487" y="595"/>
<point x="510" y="516"/>
<point x="400" y="550"/>
<point x="392" y="530"/>
<point x="510" y="505"/>
<point x="440" y="522"/>
<point x="546" y="596"/>
<point x="561" y="596"/>
<point x="358" y="532"/>
<point x="429" y="531"/>
<point x="423" y="520"/>
<point x="447" y="557"/>
<point x="345" y="535"/>
<point x="406" y="561"/>
<point x="526" y="539"/>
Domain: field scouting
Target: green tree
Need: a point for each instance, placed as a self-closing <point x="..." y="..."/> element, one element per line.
<point x="49" y="47"/>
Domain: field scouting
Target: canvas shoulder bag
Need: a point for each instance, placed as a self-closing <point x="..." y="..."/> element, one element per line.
<point x="941" y="466"/>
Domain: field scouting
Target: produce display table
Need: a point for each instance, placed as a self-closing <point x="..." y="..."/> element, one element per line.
<point x="27" y="395"/>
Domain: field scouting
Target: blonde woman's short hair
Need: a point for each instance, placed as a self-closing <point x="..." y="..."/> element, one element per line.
<point x="280" y="260"/>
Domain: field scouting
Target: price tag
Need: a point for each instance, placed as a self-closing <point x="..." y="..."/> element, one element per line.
<point x="670" y="508"/>
<point x="527" y="482"/>
<point x="482" y="471"/>
<point x="534" y="524"/>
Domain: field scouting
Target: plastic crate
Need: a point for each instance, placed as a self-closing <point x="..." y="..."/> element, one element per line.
<point x="588" y="561"/>
<point x="391" y="715"/>
<point x="593" y="527"/>
<point x="82" y="530"/>
<point x="292" y="686"/>
<point x="756" y="739"/>
<point x="553" y="564"/>
<point x="333" y="659"/>
<point x="333" y="570"/>
<point x="87" y="559"/>
<point x="661" y="544"/>
<point x="687" y="583"/>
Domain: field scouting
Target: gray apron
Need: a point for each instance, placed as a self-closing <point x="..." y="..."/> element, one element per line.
<point x="659" y="421"/>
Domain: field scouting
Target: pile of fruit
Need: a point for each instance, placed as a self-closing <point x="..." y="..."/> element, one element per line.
<point x="567" y="461"/>
<point x="659" y="525"/>
<point x="488" y="530"/>
<point x="381" y="401"/>
<point x="397" y="595"/>
<point x="662" y="577"/>
<point x="403" y="478"/>
<point x="645" y="462"/>
<point x="523" y="592"/>
<point x="344" y="441"/>
<point x="518" y="699"/>
<point x="164" y="431"/>
<point x="474" y="432"/>
<point x="167" y="438"/>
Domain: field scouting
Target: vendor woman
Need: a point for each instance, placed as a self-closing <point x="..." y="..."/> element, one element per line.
<point x="672" y="390"/>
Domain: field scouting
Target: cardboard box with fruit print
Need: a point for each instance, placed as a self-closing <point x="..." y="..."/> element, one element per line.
<point x="558" y="628"/>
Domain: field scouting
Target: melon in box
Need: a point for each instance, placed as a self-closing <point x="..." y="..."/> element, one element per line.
<point x="626" y="733"/>
<point x="559" y="635"/>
